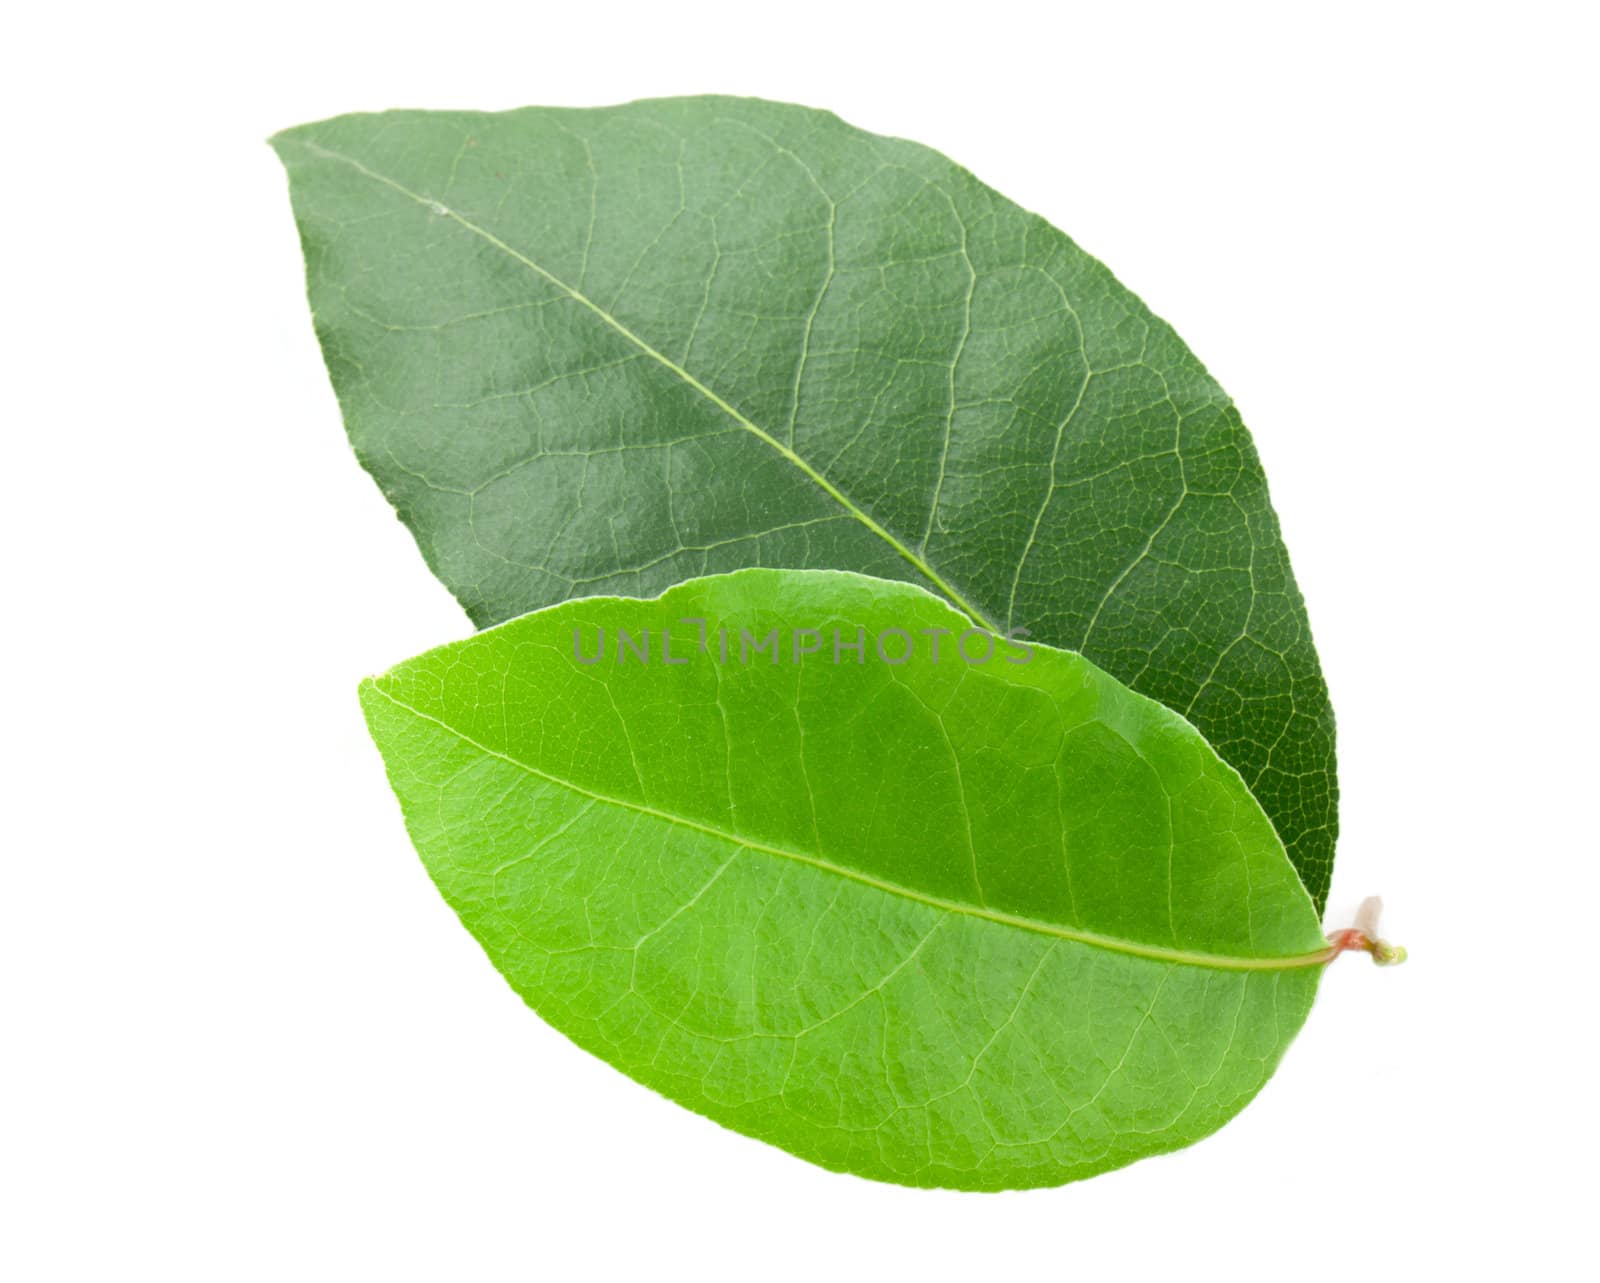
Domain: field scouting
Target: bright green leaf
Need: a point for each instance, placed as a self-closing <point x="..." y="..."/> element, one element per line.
<point x="987" y="922"/>
<point x="600" y="351"/>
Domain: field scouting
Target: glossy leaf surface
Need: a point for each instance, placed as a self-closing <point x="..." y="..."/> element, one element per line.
<point x="601" y="351"/>
<point x="988" y="921"/>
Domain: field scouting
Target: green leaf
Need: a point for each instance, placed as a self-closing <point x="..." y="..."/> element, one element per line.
<point x="601" y="351"/>
<point x="977" y="924"/>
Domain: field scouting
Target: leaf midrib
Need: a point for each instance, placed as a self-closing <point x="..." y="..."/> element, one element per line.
<point x="1114" y="944"/>
<point x="903" y="549"/>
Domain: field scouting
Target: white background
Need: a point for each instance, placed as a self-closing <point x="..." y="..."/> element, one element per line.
<point x="243" y="1036"/>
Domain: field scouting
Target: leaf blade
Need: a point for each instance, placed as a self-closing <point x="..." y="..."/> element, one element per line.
<point x="602" y="351"/>
<point x="636" y="928"/>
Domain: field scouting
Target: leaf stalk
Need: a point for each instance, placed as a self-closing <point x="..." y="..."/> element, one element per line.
<point x="1363" y="936"/>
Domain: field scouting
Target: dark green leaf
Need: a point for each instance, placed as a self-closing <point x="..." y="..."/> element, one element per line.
<point x="601" y="351"/>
